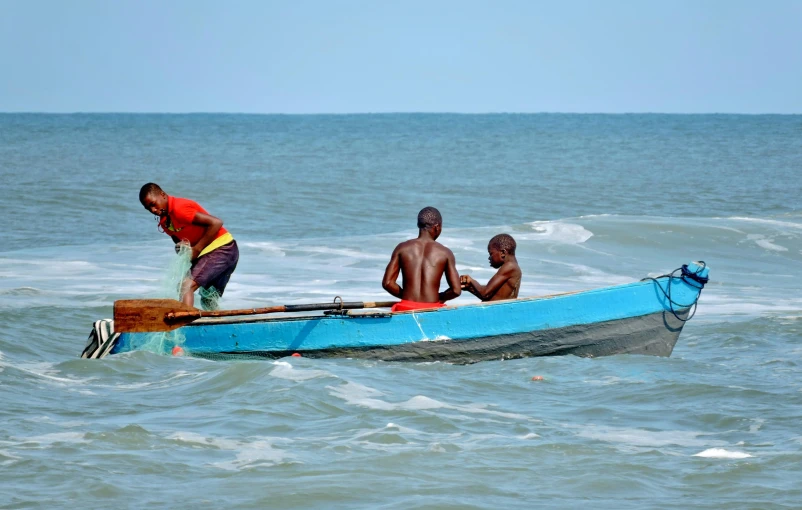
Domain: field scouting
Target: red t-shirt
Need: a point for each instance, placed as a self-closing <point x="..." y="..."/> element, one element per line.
<point x="178" y="222"/>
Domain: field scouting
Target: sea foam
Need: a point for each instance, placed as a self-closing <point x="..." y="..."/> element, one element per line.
<point x="720" y="453"/>
<point x="556" y="231"/>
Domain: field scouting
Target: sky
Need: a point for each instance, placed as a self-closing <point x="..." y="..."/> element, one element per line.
<point x="350" y="56"/>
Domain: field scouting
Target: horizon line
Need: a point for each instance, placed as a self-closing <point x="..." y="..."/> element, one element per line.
<point x="32" y="112"/>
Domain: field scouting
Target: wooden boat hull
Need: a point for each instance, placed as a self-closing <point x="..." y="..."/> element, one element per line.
<point x="643" y="317"/>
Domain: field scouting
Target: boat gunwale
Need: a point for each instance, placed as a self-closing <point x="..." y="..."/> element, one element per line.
<point x="371" y="313"/>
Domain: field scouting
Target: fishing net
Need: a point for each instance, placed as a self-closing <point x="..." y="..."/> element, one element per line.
<point x="170" y="288"/>
<point x="209" y="298"/>
<point x="176" y="271"/>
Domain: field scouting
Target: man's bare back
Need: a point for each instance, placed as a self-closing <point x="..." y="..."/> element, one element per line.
<point x="422" y="262"/>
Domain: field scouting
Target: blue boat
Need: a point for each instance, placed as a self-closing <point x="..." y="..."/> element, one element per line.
<point x="644" y="317"/>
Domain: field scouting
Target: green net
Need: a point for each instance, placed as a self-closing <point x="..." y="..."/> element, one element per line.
<point x="170" y="288"/>
<point x="210" y="298"/>
<point x="176" y="271"/>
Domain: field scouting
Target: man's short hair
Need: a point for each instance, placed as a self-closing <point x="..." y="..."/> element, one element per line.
<point x="428" y="217"/>
<point x="503" y="242"/>
<point x="149" y="189"/>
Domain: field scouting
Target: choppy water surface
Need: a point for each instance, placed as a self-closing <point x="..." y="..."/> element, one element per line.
<point x="317" y="203"/>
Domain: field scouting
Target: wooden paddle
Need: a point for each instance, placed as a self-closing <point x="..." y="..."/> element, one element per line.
<point x="156" y="315"/>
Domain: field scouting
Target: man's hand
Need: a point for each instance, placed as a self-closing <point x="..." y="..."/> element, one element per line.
<point x="195" y="253"/>
<point x="466" y="281"/>
<point x="180" y="245"/>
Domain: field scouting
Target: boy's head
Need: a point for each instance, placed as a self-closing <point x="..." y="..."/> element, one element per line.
<point x="154" y="199"/>
<point x="429" y="219"/>
<point x="499" y="247"/>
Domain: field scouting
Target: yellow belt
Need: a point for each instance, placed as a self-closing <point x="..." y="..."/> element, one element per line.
<point x="220" y="241"/>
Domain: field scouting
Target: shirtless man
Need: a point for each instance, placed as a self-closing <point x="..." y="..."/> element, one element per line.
<point x="506" y="281"/>
<point x="422" y="263"/>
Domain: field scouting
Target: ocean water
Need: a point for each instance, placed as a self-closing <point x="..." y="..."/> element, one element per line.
<point x="317" y="204"/>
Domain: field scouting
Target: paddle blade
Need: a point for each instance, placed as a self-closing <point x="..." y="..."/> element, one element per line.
<point x="150" y="315"/>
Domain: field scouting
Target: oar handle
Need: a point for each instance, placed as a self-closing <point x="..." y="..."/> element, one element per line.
<point x="197" y="314"/>
<point x="354" y="305"/>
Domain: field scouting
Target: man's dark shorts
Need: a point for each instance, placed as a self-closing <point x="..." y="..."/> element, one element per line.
<point x="214" y="269"/>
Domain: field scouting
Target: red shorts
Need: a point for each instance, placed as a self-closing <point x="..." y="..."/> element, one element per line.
<point x="406" y="306"/>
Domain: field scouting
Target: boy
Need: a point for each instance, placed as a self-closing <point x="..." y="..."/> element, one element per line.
<point x="506" y="281"/>
<point x="422" y="262"/>
<point x="214" y="251"/>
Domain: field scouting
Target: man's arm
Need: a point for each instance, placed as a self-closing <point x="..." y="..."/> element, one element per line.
<point x="389" y="282"/>
<point x="452" y="277"/>
<point x="486" y="292"/>
<point x="211" y="225"/>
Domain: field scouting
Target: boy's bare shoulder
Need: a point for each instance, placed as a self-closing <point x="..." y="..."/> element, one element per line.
<point x="512" y="269"/>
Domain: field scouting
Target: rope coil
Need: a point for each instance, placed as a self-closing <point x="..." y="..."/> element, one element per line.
<point x="692" y="278"/>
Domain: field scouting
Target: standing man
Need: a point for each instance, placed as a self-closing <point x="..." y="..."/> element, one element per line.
<point x="422" y="263"/>
<point x="214" y="250"/>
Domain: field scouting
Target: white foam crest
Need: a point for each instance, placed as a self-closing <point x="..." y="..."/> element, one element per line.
<point x="266" y="247"/>
<point x="766" y="244"/>
<point x="72" y="423"/>
<point x="390" y="427"/>
<point x="640" y="437"/>
<point x="45" y="370"/>
<point x="359" y="395"/>
<point x="432" y="441"/>
<point x="461" y="268"/>
<point x="56" y="266"/>
<point x="10" y="458"/>
<point x="19" y="291"/>
<point x="160" y="383"/>
<point x="541" y="287"/>
<point x="611" y="380"/>
<point x="49" y="281"/>
<point x="459" y="243"/>
<point x="264" y="289"/>
<point x="739" y="307"/>
<point x="258" y="453"/>
<point x="363" y="396"/>
<point x="775" y="223"/>
<point x="587" y="274"/>
<point x="284" y="370"/>
<point x="56" y="437"/>
<point x="345" y="252"/>
<point x="59" y="301"/>
<point x="199" y="439"/>
<point x="420" y="403"/>
<point x="557" y="231"/>
<point x="720" y="453"/>
<point x="403" y="430"/>
<point x="758" y="423"/>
